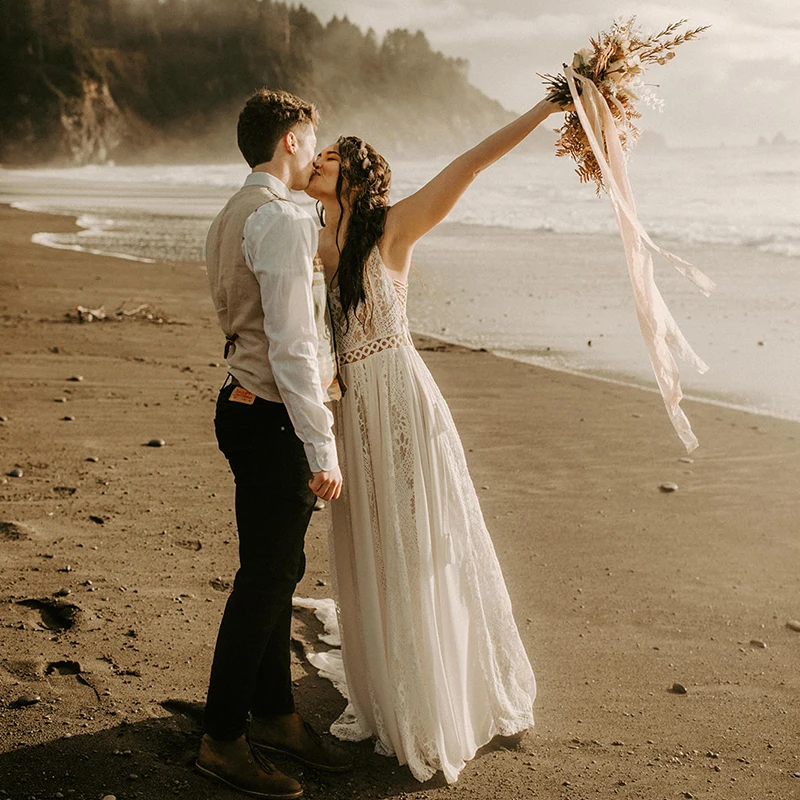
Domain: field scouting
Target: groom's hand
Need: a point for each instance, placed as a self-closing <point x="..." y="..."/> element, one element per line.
<point x="327" y="485"/>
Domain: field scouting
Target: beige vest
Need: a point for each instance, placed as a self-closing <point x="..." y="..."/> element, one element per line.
<point x="237" y="300"/>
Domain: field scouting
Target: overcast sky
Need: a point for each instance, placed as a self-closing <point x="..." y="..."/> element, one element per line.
<point x="741" y="81"/>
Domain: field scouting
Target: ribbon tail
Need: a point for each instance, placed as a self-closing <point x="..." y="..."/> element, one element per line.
<point x="605" y="146"/>
<point x="662" y="336"/>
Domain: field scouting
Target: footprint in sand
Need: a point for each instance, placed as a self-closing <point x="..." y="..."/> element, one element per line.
<point x="15" y="531"/>
<point x="52" y="615"/>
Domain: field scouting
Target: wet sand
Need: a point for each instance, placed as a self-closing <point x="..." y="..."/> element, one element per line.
<point x="620" y="590"/>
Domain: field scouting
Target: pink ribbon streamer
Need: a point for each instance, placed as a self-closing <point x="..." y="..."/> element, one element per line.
<point x="661" y="334"/>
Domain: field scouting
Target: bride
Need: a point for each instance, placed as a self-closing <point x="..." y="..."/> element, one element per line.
<point x="434" y="663"/>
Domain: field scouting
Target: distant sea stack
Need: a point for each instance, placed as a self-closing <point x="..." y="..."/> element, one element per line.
<point x="778" y="140"/>
<point x="147" y="80"/>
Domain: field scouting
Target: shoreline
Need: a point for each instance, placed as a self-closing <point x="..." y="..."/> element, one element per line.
<point x="445" y="232"/>
<point x="629" y="383"/>
<point x="117" y="571"/>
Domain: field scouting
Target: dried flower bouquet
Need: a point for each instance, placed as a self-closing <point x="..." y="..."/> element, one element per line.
<point x="615" y="63"/>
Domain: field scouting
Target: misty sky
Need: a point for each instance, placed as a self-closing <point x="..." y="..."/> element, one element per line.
<point x="741" y="81"/>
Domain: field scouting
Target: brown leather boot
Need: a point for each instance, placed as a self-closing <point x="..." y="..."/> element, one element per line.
<point x="236" y="765"/>
<point x="292" y="736"/>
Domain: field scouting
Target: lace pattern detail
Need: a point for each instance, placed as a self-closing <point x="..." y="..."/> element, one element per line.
<point x="376" y="346"/>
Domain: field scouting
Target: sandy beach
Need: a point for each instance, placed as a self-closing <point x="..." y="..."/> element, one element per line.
<point x="116" y="558"/>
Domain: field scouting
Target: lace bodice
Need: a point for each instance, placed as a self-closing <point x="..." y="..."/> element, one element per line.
<point x="386" y="321"/>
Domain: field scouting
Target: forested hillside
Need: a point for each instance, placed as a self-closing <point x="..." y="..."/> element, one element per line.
<point x="92" y="80"/>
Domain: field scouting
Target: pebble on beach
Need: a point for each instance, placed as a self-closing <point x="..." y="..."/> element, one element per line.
<point x="668" y="486"/>
<point x="26" y="700"/>
<point x="156" y="443"/>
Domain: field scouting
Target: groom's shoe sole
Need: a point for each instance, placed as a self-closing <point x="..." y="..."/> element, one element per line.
<point x="268" y="796"/>
<point x="321" y="767"/>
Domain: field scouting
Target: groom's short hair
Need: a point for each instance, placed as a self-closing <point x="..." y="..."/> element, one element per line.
<point x="266" y="118"/>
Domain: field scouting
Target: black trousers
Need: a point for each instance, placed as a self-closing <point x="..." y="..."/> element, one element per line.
<point x="251" y="668"/>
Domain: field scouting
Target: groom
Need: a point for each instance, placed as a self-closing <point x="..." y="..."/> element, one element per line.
<point x="274" y="429"/>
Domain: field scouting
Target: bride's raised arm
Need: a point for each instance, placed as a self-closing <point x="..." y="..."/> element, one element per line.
<point x="411" y="218"/>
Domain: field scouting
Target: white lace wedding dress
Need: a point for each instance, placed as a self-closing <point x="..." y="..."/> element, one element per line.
<point x="434" y="663"/>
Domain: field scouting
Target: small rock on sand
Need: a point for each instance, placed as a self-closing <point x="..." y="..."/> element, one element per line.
<point x="758" y="643"/>
<point x="76" y="378"/>
<point x="3" y="419"/>
<point x="678" y="688"/>
<point x="26" y="700"/>
<point x="156" y="443"/>
<point x="668" y="486"/>
<point x="93" y="459"/>
<point x="68" y="418"/>
<point x="16" y="473"/>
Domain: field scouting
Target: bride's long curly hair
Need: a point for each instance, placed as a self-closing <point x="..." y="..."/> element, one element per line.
<point x="364" y="180"/>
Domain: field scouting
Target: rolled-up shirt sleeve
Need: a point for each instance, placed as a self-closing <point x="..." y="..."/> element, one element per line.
<point x="279" y="245"/>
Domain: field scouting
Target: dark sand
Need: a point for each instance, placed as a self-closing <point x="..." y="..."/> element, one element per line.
<point x="620" y="590"/>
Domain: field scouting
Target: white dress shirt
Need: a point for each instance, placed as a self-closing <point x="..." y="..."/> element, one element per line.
<point x="279" y="245"/>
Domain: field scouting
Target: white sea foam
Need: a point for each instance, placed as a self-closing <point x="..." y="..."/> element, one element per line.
<point x="748" y="197"/>
<point x="51" y="240"/>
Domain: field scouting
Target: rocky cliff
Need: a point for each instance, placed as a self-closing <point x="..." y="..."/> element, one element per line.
<point x="84" y="82"/>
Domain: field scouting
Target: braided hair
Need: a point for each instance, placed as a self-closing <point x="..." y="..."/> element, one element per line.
<point x="364" y="178"/>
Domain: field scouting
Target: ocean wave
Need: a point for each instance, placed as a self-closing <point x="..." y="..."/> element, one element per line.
<point x="784" y="242"/>
<point x="224" y="176"/>
<point x="56" y="241"/>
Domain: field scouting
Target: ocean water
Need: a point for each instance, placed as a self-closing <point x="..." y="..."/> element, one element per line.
<point x="742" y="202"/>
